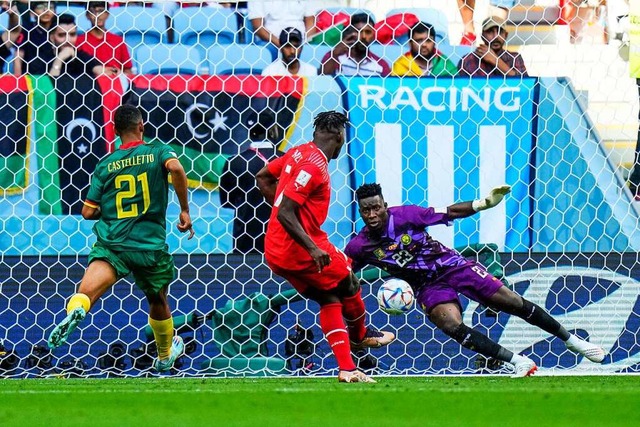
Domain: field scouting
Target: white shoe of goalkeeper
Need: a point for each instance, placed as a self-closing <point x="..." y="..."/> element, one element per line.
<point x="591" y="351"/>
<point x="524" y="368"/>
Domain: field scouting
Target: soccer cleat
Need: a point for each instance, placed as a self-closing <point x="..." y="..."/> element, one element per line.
<point x="177" y="349"/>
<point x="373" y="338"/>
<point x="61" y="332"/>
<point x="525" y="368"/>
<point x="591" y="351"/>
<point x="354" y="377"/>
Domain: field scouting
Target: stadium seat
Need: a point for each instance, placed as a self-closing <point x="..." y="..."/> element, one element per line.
<point x="238" y="59"/>
<point x="388" y="52"/>
<point x="4" y="22"/>
<point x="168" y="59"/>
<point x="80" y="13"/>
<point x="138" y="25"/>
<point x="435" y="17"/>
<point x="205" y="27"/>
<point x="313" y="54"/>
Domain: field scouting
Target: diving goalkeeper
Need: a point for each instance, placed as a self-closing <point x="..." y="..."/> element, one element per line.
<point x="395" y="240"/>
<point x="128" y="197"/>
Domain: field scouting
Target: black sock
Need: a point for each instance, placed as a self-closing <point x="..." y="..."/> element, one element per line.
<point x="474" y="340"/>
<point x="537" y="316"/>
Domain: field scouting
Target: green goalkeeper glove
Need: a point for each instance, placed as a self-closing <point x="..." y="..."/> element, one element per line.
<point x="495" y="197"/>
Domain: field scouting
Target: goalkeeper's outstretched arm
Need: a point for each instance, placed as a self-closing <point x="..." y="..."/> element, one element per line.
<point x="465" y="209"/>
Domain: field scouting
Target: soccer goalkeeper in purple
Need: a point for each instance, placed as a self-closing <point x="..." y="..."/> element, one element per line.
<point x="395" y="239"/>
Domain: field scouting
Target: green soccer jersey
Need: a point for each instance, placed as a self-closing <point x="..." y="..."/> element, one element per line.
<point x="131" y="187"/>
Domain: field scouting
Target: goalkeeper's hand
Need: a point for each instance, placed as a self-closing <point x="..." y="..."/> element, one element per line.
<point x="495" y="197"/>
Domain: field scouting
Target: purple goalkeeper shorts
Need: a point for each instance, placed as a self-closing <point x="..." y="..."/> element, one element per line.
<point x="471" y="280"/>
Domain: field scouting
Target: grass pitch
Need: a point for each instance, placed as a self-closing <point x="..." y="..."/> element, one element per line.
<point x="264" y="402"/>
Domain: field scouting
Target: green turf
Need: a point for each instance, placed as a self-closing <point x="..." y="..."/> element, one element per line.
<point x="428" y="401"/>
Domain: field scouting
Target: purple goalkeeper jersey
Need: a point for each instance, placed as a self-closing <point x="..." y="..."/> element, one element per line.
<point x="404" y="249"/>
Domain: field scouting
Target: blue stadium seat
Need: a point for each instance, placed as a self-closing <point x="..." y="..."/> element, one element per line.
<point x="205" y="27"/>
<point x="80" y="13"/>
<point x="238" y="59"/>
<point x="4" y="22"/>
<point x="168" y="59"/>
<point x="435" y="17"/>
<point x="138" y="25"/>
<point x="313" y="54"/>
<point x="388" y="52"/>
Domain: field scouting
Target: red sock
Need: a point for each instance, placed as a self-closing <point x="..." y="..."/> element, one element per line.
<point x="335" y="332"/>
<point x="353" y="312"/>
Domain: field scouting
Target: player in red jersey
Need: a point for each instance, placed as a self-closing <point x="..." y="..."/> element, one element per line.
<point x="299" y="188"/>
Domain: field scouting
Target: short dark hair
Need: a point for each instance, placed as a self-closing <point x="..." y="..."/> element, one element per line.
<point x="126" y="118"/>
<point x="361" y="18"/>
<point x="421" y="27"/>
<point x="94" y="4"/>
<point x="63" y="19"/>
<point x="34" y="4"/>
<point x="368" y="190"/>
<point x="328" y="121"/>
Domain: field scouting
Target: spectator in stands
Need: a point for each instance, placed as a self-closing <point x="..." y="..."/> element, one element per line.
<point x="423" y="58"/>
<point x="491" y="59"/>
<point x="108" y="48"/>
<point x="33" y="42"/>
<point x="467" y="8"/>
<point x="66" y="58"/>
<point x="238" y="188"/>
<point x="352" y="56"/>
<point x="269" y="17"/>
<point x="9" y="37"/>
<point x="289" y="63"/>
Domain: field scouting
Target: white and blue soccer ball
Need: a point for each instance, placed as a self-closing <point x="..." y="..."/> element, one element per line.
<point x="395" y="296"/>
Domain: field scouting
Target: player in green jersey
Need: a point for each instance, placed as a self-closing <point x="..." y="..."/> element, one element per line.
<point x="128" y="197"/>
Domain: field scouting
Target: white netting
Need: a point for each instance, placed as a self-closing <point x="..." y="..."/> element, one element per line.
<point x="563" y="138"/>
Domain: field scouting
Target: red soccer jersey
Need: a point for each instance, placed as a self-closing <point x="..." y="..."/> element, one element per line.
<point x="111" y="50"/>
<point x="304" y="178"/>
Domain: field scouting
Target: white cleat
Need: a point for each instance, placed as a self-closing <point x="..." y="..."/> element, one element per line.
<point x="354" y="377"/>
<point x="525" y="368"/>
<point x="591" y="351"/>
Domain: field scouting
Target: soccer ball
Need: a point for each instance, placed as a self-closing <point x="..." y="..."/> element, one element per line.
<point x="395" y="296"/>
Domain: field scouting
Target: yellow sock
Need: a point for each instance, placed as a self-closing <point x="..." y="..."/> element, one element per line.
<point x="79" y="300"/>
<point x="163" y="332"/>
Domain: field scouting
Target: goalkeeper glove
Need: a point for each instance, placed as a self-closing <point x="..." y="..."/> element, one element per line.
<point x="495" y="197"/>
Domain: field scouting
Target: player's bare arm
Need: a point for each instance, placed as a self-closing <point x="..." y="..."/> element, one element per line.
<point x="90" y="211"/>
<point x="288" y="217"/>
<point x="465" y="209"/>
<point x="267" y="184"/>
<point x="179" y="181"/>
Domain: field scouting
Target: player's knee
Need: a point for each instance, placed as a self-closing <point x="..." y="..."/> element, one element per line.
<point x="349" y="286"/>
<point x="450" y="326"/>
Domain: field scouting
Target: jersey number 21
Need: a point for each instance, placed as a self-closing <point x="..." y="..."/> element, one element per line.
<point x="125" y="206"/>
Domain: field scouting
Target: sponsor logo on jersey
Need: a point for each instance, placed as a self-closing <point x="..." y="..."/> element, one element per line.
<point x="392" y="247"/>
<point x="379" y="253"/>
<point x="405" y="239"/>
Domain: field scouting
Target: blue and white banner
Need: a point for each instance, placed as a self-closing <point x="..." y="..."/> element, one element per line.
<point x="434" y="142"/>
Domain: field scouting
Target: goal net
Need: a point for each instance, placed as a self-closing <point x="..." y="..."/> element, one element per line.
<point x="562" y="136"/>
